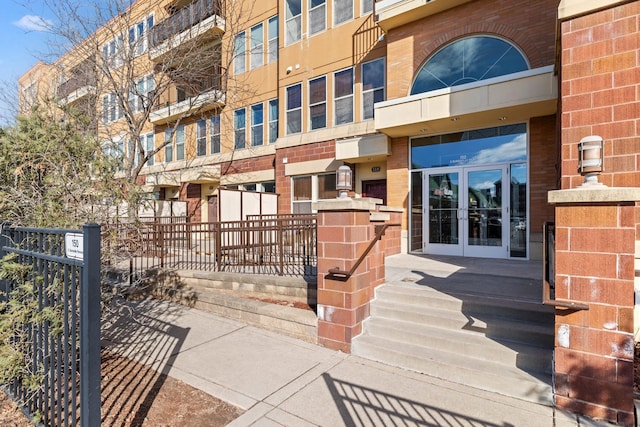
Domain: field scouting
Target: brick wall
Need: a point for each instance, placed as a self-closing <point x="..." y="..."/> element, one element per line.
<point x="398" y="176"/>
<point x="600" y="92"/>
<point x="191" y="193"/>
<point x="248" y="165"/>
<point x="543" y="170"/>
<point x="343" y="304"/>
<point x="594" y="348"/>
<point x="301" y="153"/>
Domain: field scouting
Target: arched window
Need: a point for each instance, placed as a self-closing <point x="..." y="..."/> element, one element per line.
<point x="469" y="60"/>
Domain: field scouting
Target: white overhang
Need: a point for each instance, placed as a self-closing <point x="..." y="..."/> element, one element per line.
<point x="492" y="102"/>
<point x="394" y="13"/>
<point x="201" y="175"/>
<point x="200" y="103"/>
<point x="363" y="148"/>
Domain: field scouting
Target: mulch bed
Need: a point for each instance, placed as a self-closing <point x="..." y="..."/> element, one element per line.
<point x="134" y="395"/>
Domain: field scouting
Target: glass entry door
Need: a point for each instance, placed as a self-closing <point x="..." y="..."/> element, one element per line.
<point x="466" y="211"/>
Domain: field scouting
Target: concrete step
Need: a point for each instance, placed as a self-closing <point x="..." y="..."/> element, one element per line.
<point x="526" y="357"/>
<point x="488" y="324"/>
<point x="469" y="303"/>
<point x="500" y="345"/>
<point x="294" y="322"/>
<point x="458" y="368"/>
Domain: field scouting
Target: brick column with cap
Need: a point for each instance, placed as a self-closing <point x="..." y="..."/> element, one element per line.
<point x="345" y="230"/>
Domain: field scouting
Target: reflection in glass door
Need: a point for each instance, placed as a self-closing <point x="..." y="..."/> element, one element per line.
<point x="466" y="211"/>
<point x="442" y="225"/>
<point x="485" y="212"/>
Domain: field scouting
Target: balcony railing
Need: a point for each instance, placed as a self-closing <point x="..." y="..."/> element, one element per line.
<point x="82" y="76"/>
<point x="184" y="19"/>
<point x="211" y="80"/>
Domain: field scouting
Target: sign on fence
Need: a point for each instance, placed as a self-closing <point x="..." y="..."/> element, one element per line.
<point x="74" y="246"/>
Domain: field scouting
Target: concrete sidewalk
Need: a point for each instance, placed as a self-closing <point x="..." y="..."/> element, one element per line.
<point x="281" y="381"/>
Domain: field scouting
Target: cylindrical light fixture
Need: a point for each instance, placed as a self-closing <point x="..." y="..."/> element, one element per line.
<point x="591" y="159"/>
<point x="343" y="181"/>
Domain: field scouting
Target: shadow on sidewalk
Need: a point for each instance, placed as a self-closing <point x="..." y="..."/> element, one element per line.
<point x="362" y="406"/>
<point x="138" y="351"/>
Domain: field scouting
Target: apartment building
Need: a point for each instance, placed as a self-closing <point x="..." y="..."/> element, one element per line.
<point x="448" y="109"/>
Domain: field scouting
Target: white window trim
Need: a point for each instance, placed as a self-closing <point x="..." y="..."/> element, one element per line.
<point x="203" y="137"/>
<point x="286" y="111"/>
<point x="212" y="134"/>
<point x="141" y="46"/>
<point x="145" y="140"/>
<point x="244" y="129"/>
<point x="240" y="57"/>
<point x="314" y="189"/>
<point x="270" y="120"/>
<point x="310" y="9"/>
<point x="363" y="12"/>
<point x="271" y="57"/>
<point x="352" y="96"/>
<point x="261" y="124"/>
<point x="288" y="20"/>
<point x="171" y="134"/>
<point x="333" y="18"/>
<point x="384" y="84"/>
<point x="180" y="130"/>
<point x="325" y="102"/>
<point x="258" y="50"/>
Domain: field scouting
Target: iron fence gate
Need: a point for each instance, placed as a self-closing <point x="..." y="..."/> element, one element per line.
<point x="60" y="281"/>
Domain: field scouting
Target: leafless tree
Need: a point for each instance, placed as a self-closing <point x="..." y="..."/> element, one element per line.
<point x="110" y="48"/>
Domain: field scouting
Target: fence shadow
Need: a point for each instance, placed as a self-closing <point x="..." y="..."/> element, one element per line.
<point x="137" y="352"/>
<point x="363" y="406"/>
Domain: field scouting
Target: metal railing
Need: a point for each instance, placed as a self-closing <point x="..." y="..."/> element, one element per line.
<point x="272" y="245"/>
<point x="84" y="75"/>
<point x="184" y="19"/>
<point x="59" y="342"/>
<point x="206" y="81"/>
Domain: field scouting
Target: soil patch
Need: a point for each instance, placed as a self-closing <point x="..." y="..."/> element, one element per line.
<point x="136" y="395"/>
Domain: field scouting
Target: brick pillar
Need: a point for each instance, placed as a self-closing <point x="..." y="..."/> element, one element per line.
<point x="594" y="348"/>
<point x="344" y="232"/>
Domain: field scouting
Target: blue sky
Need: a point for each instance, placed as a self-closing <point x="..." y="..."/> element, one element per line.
<point x="24" y="42"/>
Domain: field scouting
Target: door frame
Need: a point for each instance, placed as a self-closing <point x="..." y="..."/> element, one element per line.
<point x="463" y="247"/>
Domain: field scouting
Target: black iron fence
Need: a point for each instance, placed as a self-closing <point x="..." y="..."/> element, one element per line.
<point x="54" y="281"/>
<point x="283" y="245"/>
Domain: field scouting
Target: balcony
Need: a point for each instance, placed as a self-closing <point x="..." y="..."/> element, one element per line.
<point x="200" y="19"/>
<point x="511" y="98"/>
<point x="82" y="83"/>
<point x="182" y="99"/>
<point x="395" y="13"/>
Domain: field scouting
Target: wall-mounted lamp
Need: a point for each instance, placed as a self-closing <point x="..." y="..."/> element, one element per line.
<point x="591" y="159"/>
<point x="343" y="181"/>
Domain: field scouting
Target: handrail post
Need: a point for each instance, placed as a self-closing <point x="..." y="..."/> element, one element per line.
<point x="90" y="329"/>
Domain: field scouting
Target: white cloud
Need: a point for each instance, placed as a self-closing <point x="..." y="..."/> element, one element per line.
<point x="33" y="23"/>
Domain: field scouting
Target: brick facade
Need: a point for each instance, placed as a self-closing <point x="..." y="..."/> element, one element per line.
<point x="595" y="236"/>
<point x="343" y="236"/>
<point x="594" y="352"/>
<point x="601" y="92"/>
<point x="298" y="154"/>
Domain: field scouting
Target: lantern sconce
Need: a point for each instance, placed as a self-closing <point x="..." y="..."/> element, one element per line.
<point x="591" y="159"/>
<point x="343" y="181"/>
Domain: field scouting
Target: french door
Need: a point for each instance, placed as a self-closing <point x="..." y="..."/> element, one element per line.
<point x="466" y="211"/>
